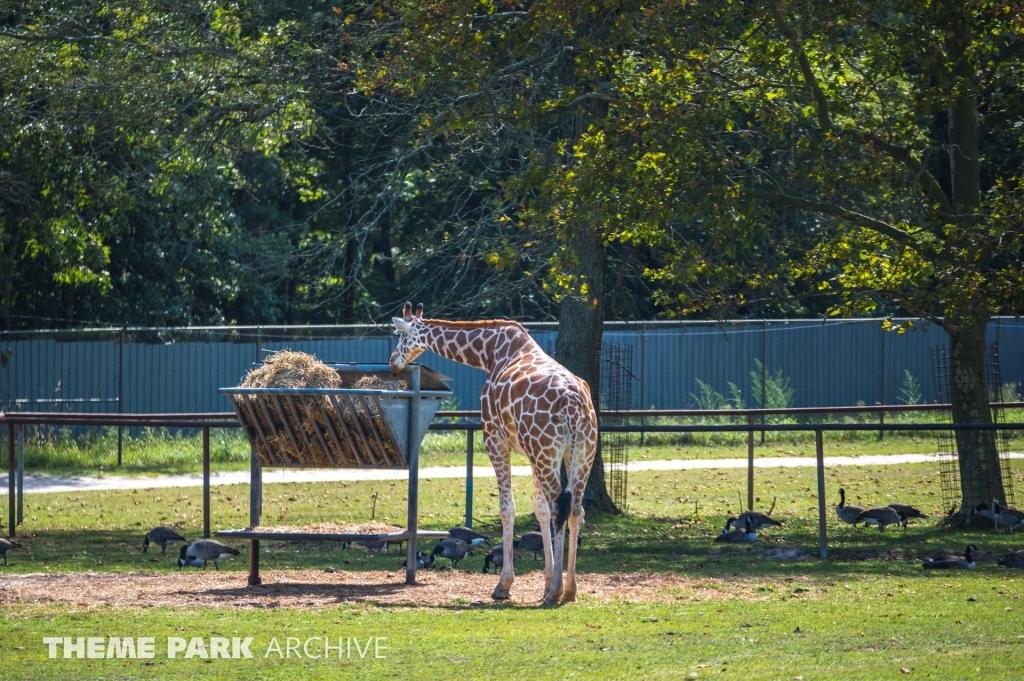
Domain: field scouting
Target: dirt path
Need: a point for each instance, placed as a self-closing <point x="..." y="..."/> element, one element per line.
<point x="319" y="588"/>
<point x="56" y="483"/>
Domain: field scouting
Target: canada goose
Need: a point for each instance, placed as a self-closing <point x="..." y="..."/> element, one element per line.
<point x="908" y="512"/>
<point x="373" y="545"/>
<point x="999" y="514"/>
<point x="881" y="517"/>
<point x="848" y="514"/>
<point x="421" y="560"/>
<point x="738" y="536"/>
<point x="467" y="535"/>
<point x="497" y="557"/>
<point x="759" y="521"/>
<point x="1014" y="559"/>
<point x="6" y="546"/>
<point x="452" y="549"/>
<point x="530" y="541"/>
<point x="965" y="562"/>
<point x="1006" y="516"/>
<point x="163" y="537"/>
<point x="185" y="560"/>
<point x="209" y="551"/>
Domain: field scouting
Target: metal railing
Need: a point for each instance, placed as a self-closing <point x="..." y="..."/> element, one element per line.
<point x="205" y="421"/>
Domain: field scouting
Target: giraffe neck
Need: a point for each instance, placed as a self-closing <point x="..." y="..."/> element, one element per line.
<point x="481" y="347"/>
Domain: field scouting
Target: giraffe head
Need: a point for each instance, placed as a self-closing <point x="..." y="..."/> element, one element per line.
<point x="411" y="337"/>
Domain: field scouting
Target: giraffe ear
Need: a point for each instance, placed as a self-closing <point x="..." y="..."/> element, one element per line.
<point x="401" y="325"/>
<point x="407" y="311"/>
<point x="419" y="310"/>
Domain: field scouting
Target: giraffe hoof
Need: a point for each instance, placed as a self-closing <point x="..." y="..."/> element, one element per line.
<point x="569" y="597"/>
<point x="552" y="602"/>
<point x="500" y="594"/>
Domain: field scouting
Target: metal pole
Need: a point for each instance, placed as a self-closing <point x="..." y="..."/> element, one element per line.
<point x="764" y="362"/>
<point x="21" y="473"/>
<point x="206" y="482"/>
<point x="881" y="389"/>
<point x="822" y="538"/>
<point x="469" y="478"/>
<point x="643" y="375"/>
<point x="255" y="489"/>
<point x="414" y="474"/>
<point x="120" y="392"/>
<point x="10" y="480"/>
<point x="750" y="464"/>
<point x="254" y="562"/>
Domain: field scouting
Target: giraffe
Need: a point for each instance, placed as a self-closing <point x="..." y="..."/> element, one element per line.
<point x="530" y="404"/>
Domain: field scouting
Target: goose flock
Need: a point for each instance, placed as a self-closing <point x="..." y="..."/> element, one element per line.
<point x="880" y="516"/>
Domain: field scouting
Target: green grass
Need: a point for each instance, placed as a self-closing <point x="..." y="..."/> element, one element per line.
<point x="865" y="614"/>
<point x="869" y="629"/>
<point x="159" y="452"/>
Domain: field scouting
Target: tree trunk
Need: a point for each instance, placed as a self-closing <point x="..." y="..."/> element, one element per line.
<point x="578" y="346"/>
<point x="980" y="474"/>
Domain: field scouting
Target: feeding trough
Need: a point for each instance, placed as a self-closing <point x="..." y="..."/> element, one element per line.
<point x="374" y="420"/>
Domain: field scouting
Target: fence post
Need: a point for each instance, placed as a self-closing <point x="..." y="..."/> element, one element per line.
<point x="255" y="489"/>
<point x="643" y="376"/>
<point x="469" y="477"/>
<point x="120" y="392"/>
<point x="881" y="389"/>
<point x="10" y="480"/>
<point x="820" y="452"/>
<point x="750" y="463"/>
<point x="764" y="363"/>
<point x="414" y="473"/>
<point x="21" y="473"/>
<point x="206" y="482"/>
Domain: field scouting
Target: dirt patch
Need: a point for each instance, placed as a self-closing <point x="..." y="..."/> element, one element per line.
<point x="318" y="588"/>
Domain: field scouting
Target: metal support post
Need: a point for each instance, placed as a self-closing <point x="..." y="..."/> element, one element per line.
<point x="206" y="482"/>
<point x="21" y="473"/>
<point x="255" y="490"/>
<point x="469" y="478"/>
<point x="822" y="538"/>
<point x="881" y="389"/>
<point x="120" y="393"/>
<point x="414" y="474"/>
<point x="750" y="463"/>
<point x="10" y="481"/>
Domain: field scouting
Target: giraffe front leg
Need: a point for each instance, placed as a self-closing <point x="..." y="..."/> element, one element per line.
<point x="500" y="459"/>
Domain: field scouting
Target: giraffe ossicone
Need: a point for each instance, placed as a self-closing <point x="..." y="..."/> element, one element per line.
<point x="529" y="404"/>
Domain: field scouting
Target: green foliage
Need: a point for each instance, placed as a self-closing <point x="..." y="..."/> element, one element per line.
<point x="770" y="391"/>
<point x="910" y="393"/>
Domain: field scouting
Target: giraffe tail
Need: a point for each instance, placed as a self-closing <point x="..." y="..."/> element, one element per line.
<point x="563" y="507"/>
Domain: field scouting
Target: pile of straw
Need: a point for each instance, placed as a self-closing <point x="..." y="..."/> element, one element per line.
<point x="307" y="429"/>
<point x="286" y="369"/>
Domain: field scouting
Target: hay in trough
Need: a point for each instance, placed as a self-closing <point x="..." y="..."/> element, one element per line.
<point x="378" y="383"/>
<point x="287" y="369"/>
<point x="292" y="431"/>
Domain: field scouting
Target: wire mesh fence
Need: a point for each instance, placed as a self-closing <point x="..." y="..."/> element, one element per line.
<point x="958" y="483"/>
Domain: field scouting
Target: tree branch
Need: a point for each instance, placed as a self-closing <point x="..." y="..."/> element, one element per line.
<point x="867" y="221"/>
<point x="1011" y="49"/>
<point x="997" y="117"/>
<point x="901" y="154"/>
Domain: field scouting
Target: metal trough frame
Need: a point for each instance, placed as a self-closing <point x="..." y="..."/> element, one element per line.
<point x="240" y="401"/>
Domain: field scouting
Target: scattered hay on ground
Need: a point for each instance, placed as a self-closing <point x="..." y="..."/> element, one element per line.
<point x="318" y="588"/>
<point x="335" y="528"/>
